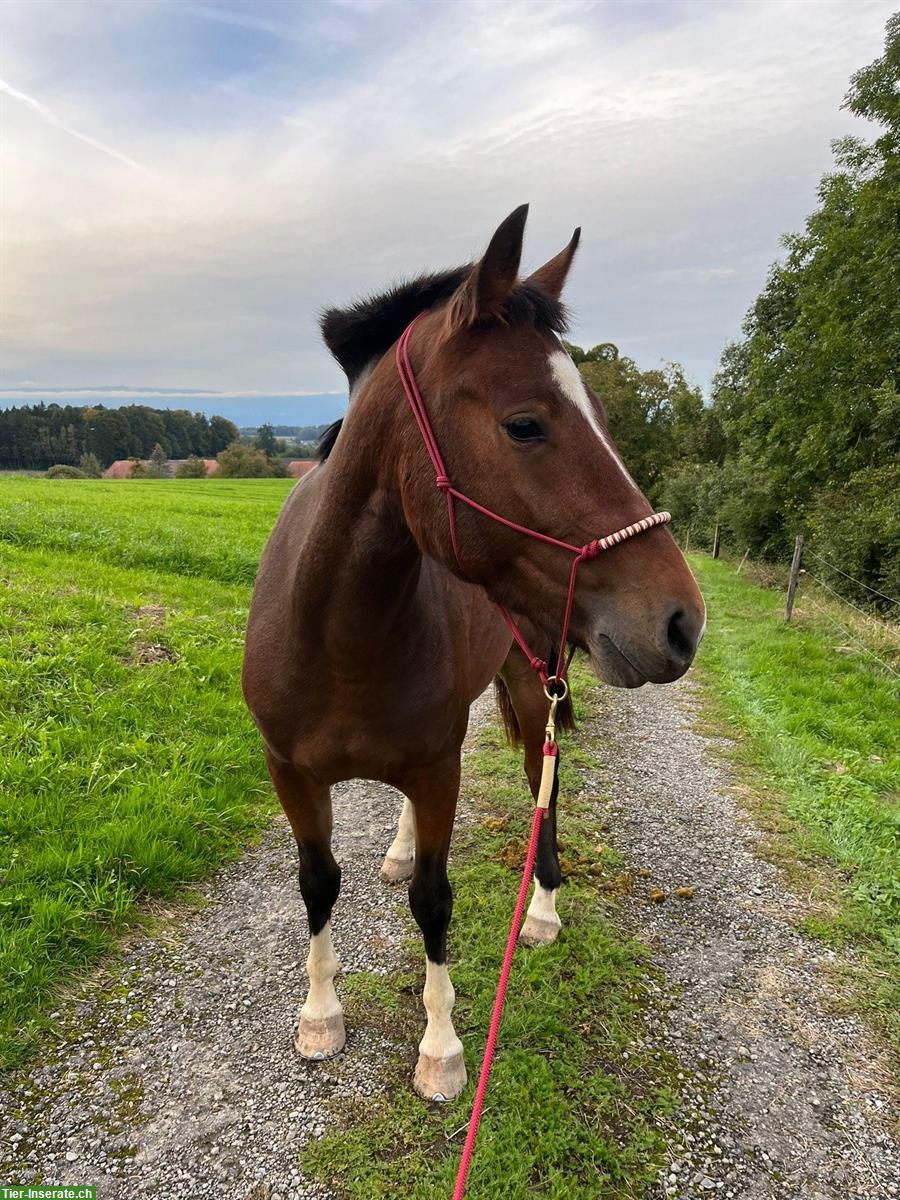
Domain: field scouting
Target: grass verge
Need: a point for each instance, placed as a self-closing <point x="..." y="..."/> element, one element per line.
<point x="577" y="1108"/>
<point x="819" y="753"/>
<point x="128" y="763"/>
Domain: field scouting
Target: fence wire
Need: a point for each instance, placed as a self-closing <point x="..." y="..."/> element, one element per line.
<point x="829" y="616"/>
<point x="832" y="566"/>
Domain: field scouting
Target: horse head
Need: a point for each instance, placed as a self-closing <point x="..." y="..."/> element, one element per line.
<point x="521" y="433"/>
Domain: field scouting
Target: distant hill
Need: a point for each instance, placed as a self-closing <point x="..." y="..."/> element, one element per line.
<point x="37" y="436"/>
<point x="290" y="410"/>
<point x="297" y="433"/>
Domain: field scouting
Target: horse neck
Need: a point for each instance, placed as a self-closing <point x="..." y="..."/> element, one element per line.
<point x="361" y="522"/>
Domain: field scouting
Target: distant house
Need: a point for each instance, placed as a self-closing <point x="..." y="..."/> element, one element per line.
<point x="118" y="470"/>
<point x="121" y="468"/>
<point x="300" y="467"/>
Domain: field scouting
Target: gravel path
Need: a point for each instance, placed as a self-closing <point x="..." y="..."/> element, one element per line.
<point x="785" y="1101"/>
<point x="178" y="1079"/>
<point x="174" y="1077"/>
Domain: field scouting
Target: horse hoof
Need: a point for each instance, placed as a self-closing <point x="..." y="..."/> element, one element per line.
<point x="440" y="1079"/>
<point x="320" y="1039"/>
<point x="538" y="932"/>
<point x="396" y="870"/>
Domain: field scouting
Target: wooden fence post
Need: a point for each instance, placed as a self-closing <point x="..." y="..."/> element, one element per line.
<point x="716" y="543"/>
<point x="687" y="540"/>
<point x="743" y="560"/>
<point x="794" y="575"/>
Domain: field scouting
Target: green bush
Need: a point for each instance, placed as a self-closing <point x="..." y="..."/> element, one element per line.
<point x="243" y="462"/>
<point x="89" y="465"/>
<point x="690" y="492"/>
<point x="856" y="528"/>
<point x="64" y="471"/>
<point x="737" y="496"/>
<point x="193" y="467"/>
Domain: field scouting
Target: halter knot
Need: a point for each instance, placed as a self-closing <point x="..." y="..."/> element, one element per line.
<point x="591" y="550"/>
<point x="443" y="483"/>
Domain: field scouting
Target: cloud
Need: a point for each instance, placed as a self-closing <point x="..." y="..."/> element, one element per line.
<point x="300" y="155"/>
<point x="51" y="118"/>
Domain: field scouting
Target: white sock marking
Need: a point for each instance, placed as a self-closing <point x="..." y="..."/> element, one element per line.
<point x="439" y="1040"/>
<point x="543" y="905"/>
<point x="403" y="847"/>
<point x="322" y="1001"/>
<point x="568" y="379"/>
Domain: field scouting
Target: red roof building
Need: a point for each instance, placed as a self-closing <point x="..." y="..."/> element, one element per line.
<point x="300" y="467"/>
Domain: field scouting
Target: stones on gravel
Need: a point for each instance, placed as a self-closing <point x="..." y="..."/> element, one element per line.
<point x="783" y="1099"/>
<point x="173" y="1074"/>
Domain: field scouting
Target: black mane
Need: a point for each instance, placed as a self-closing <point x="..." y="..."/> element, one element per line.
<point x="359" y="334"/>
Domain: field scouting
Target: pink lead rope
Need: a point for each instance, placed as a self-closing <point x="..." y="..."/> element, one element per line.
<point x="582" y="554"/>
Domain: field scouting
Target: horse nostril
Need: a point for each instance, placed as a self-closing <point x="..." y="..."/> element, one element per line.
<point x="680" y="636"/>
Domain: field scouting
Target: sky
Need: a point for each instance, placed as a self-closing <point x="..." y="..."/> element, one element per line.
<point x="185" y="185"/>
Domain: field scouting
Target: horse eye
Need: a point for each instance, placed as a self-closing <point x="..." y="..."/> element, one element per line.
<point x="525" y="429"/>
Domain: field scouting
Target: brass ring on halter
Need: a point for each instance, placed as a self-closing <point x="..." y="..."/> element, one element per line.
<point x="555" y="682"/>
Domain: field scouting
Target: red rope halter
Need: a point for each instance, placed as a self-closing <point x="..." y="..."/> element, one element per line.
<point x="442" y="480"/>
<point x="582" y="554"/>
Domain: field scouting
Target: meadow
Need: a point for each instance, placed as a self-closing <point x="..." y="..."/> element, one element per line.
<point x="129" y="766"/>
<point x="128" y="763"/>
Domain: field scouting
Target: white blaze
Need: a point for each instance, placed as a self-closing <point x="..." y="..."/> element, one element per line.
<point x="568" y="379"/>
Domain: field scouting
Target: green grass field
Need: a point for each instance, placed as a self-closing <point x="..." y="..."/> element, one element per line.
<point x="128" y="764"/>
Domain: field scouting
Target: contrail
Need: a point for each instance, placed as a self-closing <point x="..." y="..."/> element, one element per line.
<point x="52" y="119"/>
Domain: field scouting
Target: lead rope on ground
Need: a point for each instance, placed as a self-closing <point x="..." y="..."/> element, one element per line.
<point x="549" y="769"/>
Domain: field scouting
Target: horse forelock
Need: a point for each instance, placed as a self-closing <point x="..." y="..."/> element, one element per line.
<point x="361" y="333"/>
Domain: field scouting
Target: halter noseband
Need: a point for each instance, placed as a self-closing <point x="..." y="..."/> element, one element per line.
<point x="582" y="553"/>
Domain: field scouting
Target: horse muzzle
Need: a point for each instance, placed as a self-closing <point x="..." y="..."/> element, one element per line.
<point x="622" y="658"/>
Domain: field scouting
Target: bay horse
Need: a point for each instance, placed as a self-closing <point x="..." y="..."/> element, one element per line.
<point x="367" y="640"/>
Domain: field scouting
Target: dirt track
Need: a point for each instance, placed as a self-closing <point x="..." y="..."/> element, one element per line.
<point x="176" y="1077"/>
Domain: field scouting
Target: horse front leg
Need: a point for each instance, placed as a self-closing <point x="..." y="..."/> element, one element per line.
<point x="440" y="1070"/>
<point x="525" y="694"/>
<point x="320" y="1026"/>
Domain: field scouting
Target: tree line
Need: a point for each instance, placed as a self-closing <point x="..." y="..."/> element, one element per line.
<point x="35" y="437"/>
<point x="802" y="429"/>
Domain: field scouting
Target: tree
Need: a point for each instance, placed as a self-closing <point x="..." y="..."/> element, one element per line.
<point x="655" y="417"/>
<point x="89" y="466"/>
<point x="192" y="468"/>
<point x="243" y="462"/>
<point x="803" y="428"/>
<point x="265" y="441"/>
<point x="37" y="436"/>
<point x="222" y="433"/>
<point x="158" y="466"/>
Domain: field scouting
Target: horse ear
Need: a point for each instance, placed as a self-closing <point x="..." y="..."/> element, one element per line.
<point x="551" y="277"/>
<point x="484" y="292"/>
